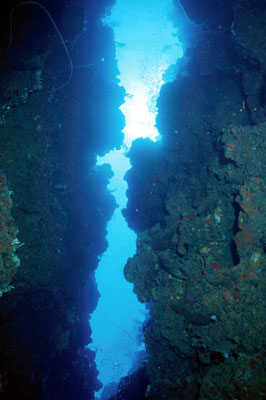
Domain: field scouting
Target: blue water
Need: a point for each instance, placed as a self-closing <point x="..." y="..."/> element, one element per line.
<point x="146" y="45"/>
<point x="117" y="321"/>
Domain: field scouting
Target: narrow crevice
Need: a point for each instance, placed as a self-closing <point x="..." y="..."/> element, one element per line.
<point x="234" y="253"/>
<point x="237" y="210"/>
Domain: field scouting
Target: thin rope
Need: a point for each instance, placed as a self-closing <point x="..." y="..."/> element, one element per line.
<point x="55" y="27"/>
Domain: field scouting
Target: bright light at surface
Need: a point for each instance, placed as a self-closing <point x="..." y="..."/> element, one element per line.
<point x="140" y="120"/>
<point x="146" y="46"/>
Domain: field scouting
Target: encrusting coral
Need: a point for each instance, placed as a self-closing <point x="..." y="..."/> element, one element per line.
<point x="9" y="261"/>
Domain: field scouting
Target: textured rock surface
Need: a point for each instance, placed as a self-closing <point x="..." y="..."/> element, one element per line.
<point x="48" y="145"/>
<point x="199" y="210"/>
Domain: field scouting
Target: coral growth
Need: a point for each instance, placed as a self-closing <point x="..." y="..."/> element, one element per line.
<point x="9" y="262"/>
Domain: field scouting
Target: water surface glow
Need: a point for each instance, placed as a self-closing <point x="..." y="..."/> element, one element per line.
<point x="146" y="45"/>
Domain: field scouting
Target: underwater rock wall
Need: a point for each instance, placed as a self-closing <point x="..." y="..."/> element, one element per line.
<point x="199" y="209"/>
<point x="49" y="139"/>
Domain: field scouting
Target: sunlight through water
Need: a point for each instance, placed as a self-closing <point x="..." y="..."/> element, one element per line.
<point x="146" y="46"/>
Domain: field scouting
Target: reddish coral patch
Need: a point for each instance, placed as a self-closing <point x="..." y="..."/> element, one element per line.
<point x="217" y="267"/>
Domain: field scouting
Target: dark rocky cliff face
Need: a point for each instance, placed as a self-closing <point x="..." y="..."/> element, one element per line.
<point x="49" y="138"/>
<point x="198" y="203"/>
